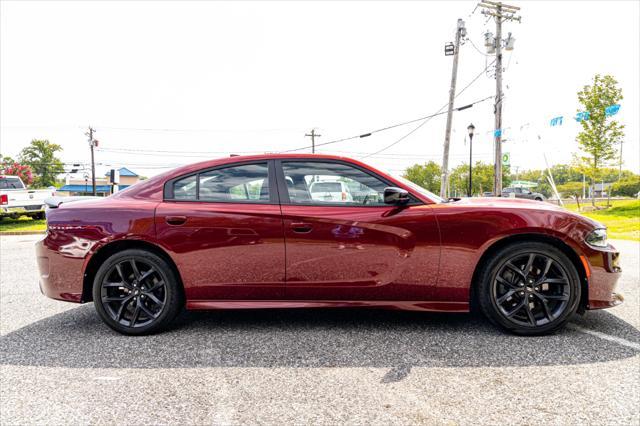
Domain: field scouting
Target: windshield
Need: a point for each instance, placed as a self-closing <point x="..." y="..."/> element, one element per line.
<point x="421" y="190"/>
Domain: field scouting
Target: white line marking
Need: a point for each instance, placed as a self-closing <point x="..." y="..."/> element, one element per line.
<point x="615" y="339"/>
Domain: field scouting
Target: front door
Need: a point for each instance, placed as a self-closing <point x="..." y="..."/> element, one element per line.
<point x="223" y="228"/>
<point x="344" y="243"/>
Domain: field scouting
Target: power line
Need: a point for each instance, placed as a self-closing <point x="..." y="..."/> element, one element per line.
<point x="393" y="126"/>
<point x="476" y="47"/>
<point x="439" y="112"/>
<point x="177" y="130"/>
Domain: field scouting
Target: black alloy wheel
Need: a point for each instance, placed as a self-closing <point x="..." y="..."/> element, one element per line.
<point x="135" y="292"/>
<point x="531" y="288"/>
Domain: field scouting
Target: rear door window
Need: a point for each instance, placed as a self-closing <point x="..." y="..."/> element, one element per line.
<point x="242" y="183"/>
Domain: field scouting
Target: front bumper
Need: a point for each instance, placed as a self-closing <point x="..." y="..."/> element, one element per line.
<point x="604" y="274"/>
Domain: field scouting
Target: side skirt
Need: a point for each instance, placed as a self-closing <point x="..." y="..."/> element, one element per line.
<point x="196" y="305"/>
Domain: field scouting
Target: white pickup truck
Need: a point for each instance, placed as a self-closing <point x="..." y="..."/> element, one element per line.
<point x="16" y="200"/>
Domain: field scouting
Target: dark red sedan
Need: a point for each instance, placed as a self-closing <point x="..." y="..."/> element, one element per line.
<point x="283" y="231"/>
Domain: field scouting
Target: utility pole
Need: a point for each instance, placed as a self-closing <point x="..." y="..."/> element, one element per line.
<point x="92" y="144"/>
<point x="470" y="129"/>
<point x="500" y="12"/>
<point x="313" y="136"/>
<point x="461" y="31"/>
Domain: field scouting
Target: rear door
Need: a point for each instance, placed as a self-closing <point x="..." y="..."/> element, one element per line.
<point x="223" y="227"/>
<point x="357" y="248"/>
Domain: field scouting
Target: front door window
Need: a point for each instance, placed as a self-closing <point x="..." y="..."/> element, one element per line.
<point x="319" y="183"/>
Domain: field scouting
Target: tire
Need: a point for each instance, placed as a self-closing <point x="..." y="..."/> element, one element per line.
<point x="136" y="292"/>
<point x="535" y="303"/>
<point x="538" y="199"/>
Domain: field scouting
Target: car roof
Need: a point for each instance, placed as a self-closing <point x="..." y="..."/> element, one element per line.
<point x="153" y="187"/>
<point x="267" y="156"/>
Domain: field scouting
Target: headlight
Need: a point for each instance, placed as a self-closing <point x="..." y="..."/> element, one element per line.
<point x="597" y="238"/>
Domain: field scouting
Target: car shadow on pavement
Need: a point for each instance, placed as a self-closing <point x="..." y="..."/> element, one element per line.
<point x="309" y="338"/>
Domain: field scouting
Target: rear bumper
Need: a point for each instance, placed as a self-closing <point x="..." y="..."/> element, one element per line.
<point x="605" y="272"/>
<point x="60" y="275"/>
<point x="22" y="209"/>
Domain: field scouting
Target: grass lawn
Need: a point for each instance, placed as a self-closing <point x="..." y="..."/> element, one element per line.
<point x="622" y="219"/>
<point x="23" y="223"/>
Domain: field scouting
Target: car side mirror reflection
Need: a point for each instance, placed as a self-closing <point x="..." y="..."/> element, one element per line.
<point x="395" y="196"/>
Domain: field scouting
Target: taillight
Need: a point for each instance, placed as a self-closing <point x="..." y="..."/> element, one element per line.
<point x="344" y="196"/>
<point x="4" y="199"/>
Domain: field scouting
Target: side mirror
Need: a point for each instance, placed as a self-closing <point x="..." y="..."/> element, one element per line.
<point x="396" y="196"/>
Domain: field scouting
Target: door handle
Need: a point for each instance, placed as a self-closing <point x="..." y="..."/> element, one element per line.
<point x="175" y="220"/>
<point x="301" y="227"/>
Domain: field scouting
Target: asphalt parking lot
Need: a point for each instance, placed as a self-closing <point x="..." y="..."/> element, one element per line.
<point x="60" y="364"/>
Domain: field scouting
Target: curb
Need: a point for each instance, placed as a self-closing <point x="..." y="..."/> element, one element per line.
<point x="21" y="233"/>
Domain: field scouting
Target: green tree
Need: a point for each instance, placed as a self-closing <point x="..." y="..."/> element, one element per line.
<point x="571" y="189"/>
<point x="600" y="134"/>
<point x="426" y="175"/>
<point x="629" y="187"/>
<point x="482" y="179"/>
<point x="40" y="155"/>
<point x="6" y="161"/>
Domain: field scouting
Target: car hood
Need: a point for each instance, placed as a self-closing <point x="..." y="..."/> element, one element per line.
<point x="507" y="202"/>
<point x="521" y="203"/>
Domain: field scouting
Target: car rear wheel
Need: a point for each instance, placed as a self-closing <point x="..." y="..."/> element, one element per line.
<point x="529" y="288"/>
<point x="136" y="292"/>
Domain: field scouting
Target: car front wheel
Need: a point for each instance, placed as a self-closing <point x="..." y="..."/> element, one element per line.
<point x="136" y="292"/>
<point x="529" y="288"/>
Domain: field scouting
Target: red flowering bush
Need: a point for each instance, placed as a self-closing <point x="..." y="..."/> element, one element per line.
<point x="23" y="172"/>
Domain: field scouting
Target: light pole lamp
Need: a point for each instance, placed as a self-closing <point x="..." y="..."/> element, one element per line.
<point x="470" y="129"/>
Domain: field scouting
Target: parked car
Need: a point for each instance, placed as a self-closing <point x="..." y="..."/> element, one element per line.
<point x="330" y="191"/>
<point x="186" y="238"/>
<point x="522" y="193"/>
<point x="16" y="200"/>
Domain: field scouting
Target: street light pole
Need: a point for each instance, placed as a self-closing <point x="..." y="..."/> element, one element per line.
<point x="470" y="129"/>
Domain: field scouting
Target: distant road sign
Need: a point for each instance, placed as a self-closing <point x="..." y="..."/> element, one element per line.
<point x="506" y="159"/>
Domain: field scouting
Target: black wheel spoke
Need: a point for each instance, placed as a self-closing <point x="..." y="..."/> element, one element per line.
<point x="122" y="308"/>
<point x="114" y="299"/>
<point x="136" y="272"/>
<point x="514" y="268"/>
<point x="507" y="283"/>
<point x="154" y="299"/>
<point x="122" y="276"/>
<point x="545" y="307"/>
<point x="527" y="268"/>
<point x="516" y="309"/>
<point x="561" y="297"/>
<point x="554" y="281"/>
<point x="506" y="296"/>
<point x="136" y="314"/>
<point x="155" y="287"/>
<point x="547" y="266"/>
<point x="146" y="275"/>
<point x="147" y="310"/>
<point x="532" y="318"/>
<point x="121" y="284"/>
